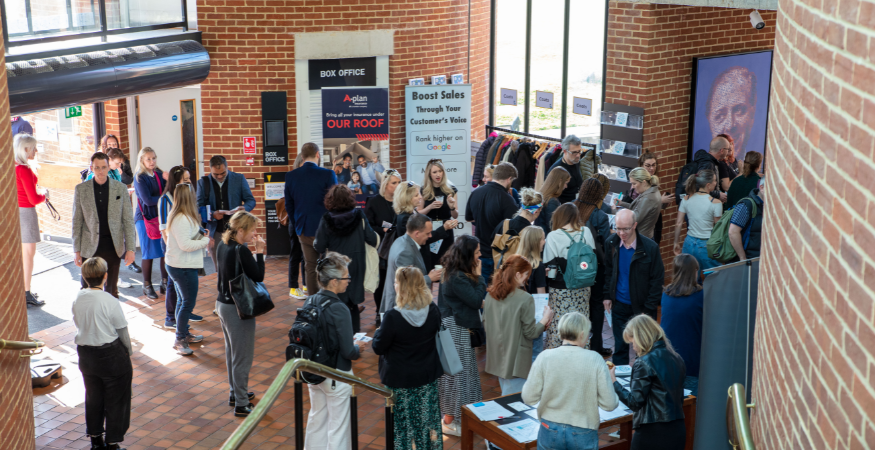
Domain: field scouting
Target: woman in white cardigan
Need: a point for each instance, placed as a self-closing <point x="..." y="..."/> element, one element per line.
<point x="186" y="240"/>
<point x="566" y="229"/>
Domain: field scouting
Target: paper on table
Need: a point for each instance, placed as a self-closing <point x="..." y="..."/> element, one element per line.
<point x="541" y="301"/>
<point x="486" y="411"/>
<point x="522" y="431"/>
<point x="519" y="406"/>
<point x="621" y="411"/>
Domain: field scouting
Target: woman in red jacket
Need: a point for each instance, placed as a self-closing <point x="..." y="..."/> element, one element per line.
<point x="29" y="196"/>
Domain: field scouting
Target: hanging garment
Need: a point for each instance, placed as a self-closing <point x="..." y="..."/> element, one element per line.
<point x="525" y="166"/>
<point x="542" y="170"/>
<point x="589" y="164"/>
<point x="496" y="147"/>
<point x="480" y="159"/>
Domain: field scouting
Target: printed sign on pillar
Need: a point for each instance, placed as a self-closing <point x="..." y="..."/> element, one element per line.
<point x="355" y="113"/>
<point x="277" y="236"/>
<point x="438" y="124"/>
<point x="249" y="145"/>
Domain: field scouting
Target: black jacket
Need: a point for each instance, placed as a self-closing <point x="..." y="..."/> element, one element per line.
<point x="657" y="387"/>
<point x="347" y="233"/>
<point x="646" y="273"/>
<point x="226" y="259"/>
<point x="408" y="354"/>
<point x="706" y="161"/>
<point x="461" y="297"/>
<point x="379" y="210"/>
<point x="488" y="206"/>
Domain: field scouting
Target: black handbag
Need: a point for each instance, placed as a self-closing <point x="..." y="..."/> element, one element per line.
<point x="250" y="297"/>
<point x="386" y="243"/>
<point x="477" y="336"/>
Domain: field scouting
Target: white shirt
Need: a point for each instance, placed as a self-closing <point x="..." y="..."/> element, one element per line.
<point x="97" y="315"/>
<point x="558" y="242"/>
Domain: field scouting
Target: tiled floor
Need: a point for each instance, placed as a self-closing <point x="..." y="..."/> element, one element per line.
<point x="181" y="403"/>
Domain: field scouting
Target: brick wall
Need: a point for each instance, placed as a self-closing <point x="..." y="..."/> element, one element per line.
<point x="814" y="356"/>
<point x="116" y="112"/>
<point x="649" y="65"/>
<point x="16" y="428"/>
<point x="251" y="46"/>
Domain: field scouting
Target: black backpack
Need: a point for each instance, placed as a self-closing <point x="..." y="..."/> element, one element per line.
<point x="688" y="169"/>
<point x="309" y="338"/>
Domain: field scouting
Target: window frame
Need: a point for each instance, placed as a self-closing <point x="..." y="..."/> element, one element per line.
<point x="103" y="33"/>
<point x="528" y="65"/>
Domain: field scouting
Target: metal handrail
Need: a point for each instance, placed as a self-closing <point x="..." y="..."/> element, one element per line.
<point x="20" y="345"/>
<point x="737" y="420"/>
<point x="291" y="368"/>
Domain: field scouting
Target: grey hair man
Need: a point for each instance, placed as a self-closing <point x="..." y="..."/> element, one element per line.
<point x="571" y="152"/>
<point x="405" y="252"/>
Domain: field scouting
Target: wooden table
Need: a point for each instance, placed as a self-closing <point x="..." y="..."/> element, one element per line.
<point x="489" y="430"/>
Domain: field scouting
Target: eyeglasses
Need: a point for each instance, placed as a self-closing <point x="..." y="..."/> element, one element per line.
<point x="577" y="153"/>
<point x="625" y="230"/>
<point x="391" y="173"/>
<point x="490" y="167"/>
<point x="410" y="184"/>
<point x="344" y="279"/>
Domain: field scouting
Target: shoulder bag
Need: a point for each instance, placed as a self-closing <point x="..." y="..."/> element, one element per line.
<point x="153" y="230"/>
<point x="372" y="264"/>
<point x="250" y="297"/>
<point x="446" y="349"/>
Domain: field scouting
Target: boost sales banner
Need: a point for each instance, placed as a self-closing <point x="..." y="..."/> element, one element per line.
<point x="360" y="113"/>
<point x="438" y="123"/>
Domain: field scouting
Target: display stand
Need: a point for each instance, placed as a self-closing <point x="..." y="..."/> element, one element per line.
<point x="626" y="138"/>
<point x="489" y="430"/>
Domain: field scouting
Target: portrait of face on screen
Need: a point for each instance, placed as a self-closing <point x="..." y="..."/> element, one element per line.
<point x="731" y="96"/>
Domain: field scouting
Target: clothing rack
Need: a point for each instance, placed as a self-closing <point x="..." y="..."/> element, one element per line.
<point x="534" y="136"/>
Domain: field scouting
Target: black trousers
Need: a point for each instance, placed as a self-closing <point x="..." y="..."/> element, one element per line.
<point x="107" y="373"/>
<point x="597" y="318"/>
<point x="378" y="293"/>
<point x="296" y="259"/>
<point x="660" y="436"/>
<point x="106" y="250"/>
<point x="621" y="314"/>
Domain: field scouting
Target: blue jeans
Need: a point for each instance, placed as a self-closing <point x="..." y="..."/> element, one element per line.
<point x="692" y="383"/>
<point x="537" y="346"/>
<point x="559" y="436"/>
<point x="170" y="297"/>
<point x="698" y="248"/>
<point x="487" y="266"/>
<point x="186" y="283"/>
<point x="371" y="189"/>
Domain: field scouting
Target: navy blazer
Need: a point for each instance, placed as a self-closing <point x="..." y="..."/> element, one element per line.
<point x="238" y="194"/>
<point x="305" y="192"/>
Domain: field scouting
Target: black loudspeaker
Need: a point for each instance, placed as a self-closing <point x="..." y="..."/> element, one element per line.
<point x="274" y="113"/>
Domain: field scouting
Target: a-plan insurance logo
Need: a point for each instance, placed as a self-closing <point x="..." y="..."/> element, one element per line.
<point x="356" y="100"/>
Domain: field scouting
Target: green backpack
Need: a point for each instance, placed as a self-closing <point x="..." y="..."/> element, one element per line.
<point x="582" y="267"/>
<point x="719" y="248"/>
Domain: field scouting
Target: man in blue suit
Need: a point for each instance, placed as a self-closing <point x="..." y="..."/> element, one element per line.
<point x="225" y="193"/>
<point x="305" y="192"/>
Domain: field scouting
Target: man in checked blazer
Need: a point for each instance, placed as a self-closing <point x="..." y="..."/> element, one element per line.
<point x="103" y="222"/>
<point x="405" y="252"/>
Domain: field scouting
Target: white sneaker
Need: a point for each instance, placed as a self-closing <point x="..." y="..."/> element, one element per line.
<point x="451" y="429"/>
<point x="123" y="284"/>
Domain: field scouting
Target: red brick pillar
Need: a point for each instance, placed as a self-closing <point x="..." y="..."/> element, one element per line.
<point x="16" y="396"/>
<point x="814" y="354"/>
<point x="117" y="124"/>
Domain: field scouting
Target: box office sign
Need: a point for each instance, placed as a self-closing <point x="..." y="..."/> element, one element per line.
<point x="438" y="126"/>
<point x="342" y="72"/>
<point x="360" y="113"/>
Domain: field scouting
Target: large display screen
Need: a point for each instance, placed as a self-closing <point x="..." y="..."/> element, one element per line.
<point x="731" y="96"/>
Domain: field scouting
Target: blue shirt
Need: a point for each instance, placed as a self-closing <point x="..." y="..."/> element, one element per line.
<point x="115" y="174"/>
<point x="682" y="322"/>
<point x="369" y="173"/>
<point x="625" y="262"/>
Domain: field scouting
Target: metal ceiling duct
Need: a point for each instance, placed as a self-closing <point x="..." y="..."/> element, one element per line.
<point x="57" y="82"/>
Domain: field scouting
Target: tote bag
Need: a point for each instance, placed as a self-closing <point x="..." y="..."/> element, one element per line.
<point x="450" y="361"/>
<point x="372" y="264"/>
<point x="250" y="297"/>
<point x="153" y="231"/>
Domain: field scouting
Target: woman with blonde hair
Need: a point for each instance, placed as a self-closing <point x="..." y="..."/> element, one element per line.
<point x="30" y="194"/>
<point x="186" y="240"/>
<point x="531" y="247"/>
<point x="656" y="392"/>
<point x="648" y="204"/>
<point x="408" y="201"/>
<point x="509" y="317"/>
<point x="149" y="184"/>
<point x="409" y="362"/>
<point x="553" y="187"/>
<point x="234" y="257"/>
<point x="566" y="231"/>
<point x="439" y="204"/>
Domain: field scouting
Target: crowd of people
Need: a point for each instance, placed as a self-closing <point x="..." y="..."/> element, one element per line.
<point x="593" y="261"/>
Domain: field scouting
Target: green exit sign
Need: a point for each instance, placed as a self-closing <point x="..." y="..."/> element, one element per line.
<point x="73" y="111"/>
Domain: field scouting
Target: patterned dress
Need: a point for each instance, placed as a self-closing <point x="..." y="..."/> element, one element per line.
<point x="564" y="301"/>
<point x="418" y="418"/>
<point x="464" y="387"/>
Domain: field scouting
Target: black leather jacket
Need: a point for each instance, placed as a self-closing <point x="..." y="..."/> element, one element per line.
<point x="657" y="387"/>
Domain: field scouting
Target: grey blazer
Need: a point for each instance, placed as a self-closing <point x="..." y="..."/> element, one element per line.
<point x="404" y="252"/>
<point x="86" y="224"/>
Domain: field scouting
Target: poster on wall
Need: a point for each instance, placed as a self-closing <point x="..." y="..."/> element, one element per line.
<point x="731" y="96"/>
<point x="355" y="121"/>
<point x="438" y="124"/>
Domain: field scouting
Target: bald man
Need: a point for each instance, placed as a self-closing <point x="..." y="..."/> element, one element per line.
<point x="634" y="274"/>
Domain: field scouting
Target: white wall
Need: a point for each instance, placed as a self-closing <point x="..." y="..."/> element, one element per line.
<point x="159" y="131"/>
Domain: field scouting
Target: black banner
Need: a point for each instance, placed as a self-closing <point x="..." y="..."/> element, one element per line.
<point x="274" y="126"/>
<point x="342" y="72"/>
<point x="276" y="235"/>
